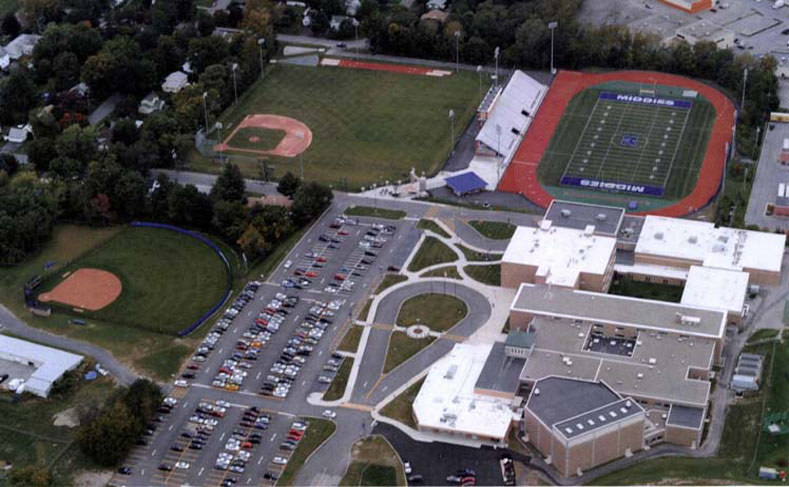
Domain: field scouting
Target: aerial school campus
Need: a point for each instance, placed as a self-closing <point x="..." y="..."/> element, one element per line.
<point x="534" y="290"/>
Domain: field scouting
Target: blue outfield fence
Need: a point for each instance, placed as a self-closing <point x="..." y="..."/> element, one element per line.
<point x="215" y="248"/>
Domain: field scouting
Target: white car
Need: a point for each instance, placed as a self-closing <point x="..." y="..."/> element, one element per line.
<point x="407" y="468"/>
<point x="288" y="264"/>
<point x="180" y="383"/>
<point x="279" y="460"/>
<point x="182" y="465"/>
<point x="329" y="414"/>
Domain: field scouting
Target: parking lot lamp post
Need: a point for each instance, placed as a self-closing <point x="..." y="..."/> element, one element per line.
<point x="552" y="26"/>
<point x="261" y="43"/>
<point x="744" y="82"/>
<point x="235" y="87"/>
<point x="457" y="51"/>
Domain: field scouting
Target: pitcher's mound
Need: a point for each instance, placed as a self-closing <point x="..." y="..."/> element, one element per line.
<point x="90" y="289"/>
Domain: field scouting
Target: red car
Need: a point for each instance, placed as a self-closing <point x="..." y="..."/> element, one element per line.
<point x="342" y="232"/>
<point x="296" y="433"/>
<point x="311" y="274"/>
<point x="192" y="366"/>
<point x="339" y="277"/>
<point x="321" y="259"/>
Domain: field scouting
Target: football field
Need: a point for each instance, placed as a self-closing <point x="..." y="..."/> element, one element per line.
<point x="629" y="142"/>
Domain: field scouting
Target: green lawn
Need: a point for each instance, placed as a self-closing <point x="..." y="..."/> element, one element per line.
<point x="375" y="212"/>
<point x="390" y="280"/>
<point x="373" y="462"/>
<point x="449" y="272"/>
<point x="439" y="312"/>
<point x="434" y="227"/>
<point x="337" y="387"/>
<point x="475" y="256"/>
<point x="690" y="146"/>
<point x="400" y="407"/>
<point x="367" y="126"/>
<point x="29" y="436"/>
<point x="433" y="251"/>
<point x="268" y="139"/>
<point x="494" y="230"/>
<point x="486" y="274"/>
<point x="401" y="348"/>
<point x="163" y="363"/>
<point x="169" y="280"/>
<point x="624" y="286"/>
<point x="763" y="334"/>
<point x="350" y="342"/>
<point x="365" y="310"/>
<point x="318" y="431"/>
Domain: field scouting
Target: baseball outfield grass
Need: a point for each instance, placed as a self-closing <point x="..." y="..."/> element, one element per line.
<point x="367" y="126"/>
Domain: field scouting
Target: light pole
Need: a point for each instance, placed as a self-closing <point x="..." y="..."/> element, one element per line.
<point x="356" y="34"/>
<point x="261" y="43"/>
<point x="205" y="112"/>
<point x="457" y="51"/>
<point x="744" y="82"/>
<point x="218" y="126"/>
<point x="479" y="72"/>
<point x="300" y="136"/>
<point x="552" y="26"/>
<point x="496" y="55"/>
<point x="498" y="151"/>
<point x="235" y="87"/>
<point x="451" y="131"/>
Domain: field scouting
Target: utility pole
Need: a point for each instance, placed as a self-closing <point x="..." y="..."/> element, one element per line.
<point x="552" y="26"/>
<point x="235" y="87"/>
<point x="205" y="113"/>
<point x="457" y="51"/>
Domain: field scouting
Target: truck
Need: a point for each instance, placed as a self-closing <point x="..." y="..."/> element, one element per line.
<point x="786" y="144"/>
<point x="768" y="473"/>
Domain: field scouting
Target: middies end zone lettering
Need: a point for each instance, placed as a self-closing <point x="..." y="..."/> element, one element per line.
<point x="614" y="186"/>
<point x="646" y="100"/>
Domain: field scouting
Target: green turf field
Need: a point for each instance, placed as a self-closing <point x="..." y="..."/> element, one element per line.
<point x="169" y="279"/>
<point x="268" y="138"/>
<point x="654" y="145"/>
<point x="367" y="126"/>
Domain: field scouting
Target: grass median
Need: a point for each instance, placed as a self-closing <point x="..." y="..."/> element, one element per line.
<point x="474" y="256"/>
<point x="318" y="431"/>
<point x="425" y="224"/>
<point x="337" y="387"/>
<point x="375" y="212"/>
<point x="432" y="251"/>
<point x="390" y="280"/>
<point x="486" y="274"/>
<point x="402" y="347"/>
<point x="350" y="342"/>
<point x="493" y="230"/>
<point x="439" y="312"/>
<point x="449" y="272"/>
<point x="373" y="462"/>
<point x="400" y="408"/>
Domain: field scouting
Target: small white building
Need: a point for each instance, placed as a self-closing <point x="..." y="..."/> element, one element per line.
<point x="22" y="45"/>
<point x="5" y="59"/>
<point x="18" y="134"/>
<point x="49" y="364"/>
<point x="448" y="404"/>
<point x="175" y="82"/>
<point x="436" y="4"/>
<point x="151" y="103"/>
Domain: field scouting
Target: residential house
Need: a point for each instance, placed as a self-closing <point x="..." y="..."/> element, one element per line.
<point x="175" y="82"/>
<point x="151" y="103"/>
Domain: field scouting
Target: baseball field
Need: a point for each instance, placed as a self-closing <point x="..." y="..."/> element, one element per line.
<point x="366" y="126"/>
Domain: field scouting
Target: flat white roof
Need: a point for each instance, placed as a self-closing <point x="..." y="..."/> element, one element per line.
<point x="703" y="244"/>
<point x="560" y="253"/>
<point x="716" y="288"/>
<point x="50" y="363"/>
<point x="447" y="400"/>
<point x="512" y="112"/>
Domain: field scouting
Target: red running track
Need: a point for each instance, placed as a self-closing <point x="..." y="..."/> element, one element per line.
<point x="390" y="68"/>
<point x="521" y="175"/>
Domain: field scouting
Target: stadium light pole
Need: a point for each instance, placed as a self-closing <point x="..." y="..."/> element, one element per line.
<point x="261" y="43"/>
<point x="498" y="152"/>
<point x="356" y="34"/>
<point x="552" y="26"/>
<point x="496" y="56"/>
<point x="451" y="131"/>
<point x="479" y="73"/>
<point x="457" y="51"/>
<point x="235" y="87"/>
<point x="300" y="136"/>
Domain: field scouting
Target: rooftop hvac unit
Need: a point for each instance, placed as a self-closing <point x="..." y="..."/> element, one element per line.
<point x="659" y="236"/>
<point x="451" y="372"/>
<point x="639" y="376"/>
<point x="601" y="217"/>
<point x="693" y="239"/>
<point x="536" y="391"/>
<point x="566" y="213"/>
<point x="690" y="320"/>
<point x="652" y="361"/>
<point x="628" y="403"/>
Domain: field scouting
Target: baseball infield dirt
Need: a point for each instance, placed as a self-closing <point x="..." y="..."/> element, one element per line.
<point x="296" y="140"/>
<point x="90" y="289"/>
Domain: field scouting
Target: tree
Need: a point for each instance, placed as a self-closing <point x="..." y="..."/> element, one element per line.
<point x="205" y="23"/>
<point x="30" y="476"/>
<point x="229" y="186"/>
<point x="252" y="242"/>
<point x="125" y="131"/>
<point x="10" y="25"/>
<point x="187" y="206"/>
<point x="17" y="94"/>
<point x="77" y="143"/>
<point x="319" y="22"/>
<point x="257" y="19"/>
<point x="39" y="12"/>
<point x="214" y="79"/>
<point x="288" y="184"/>
<point x="309" y="201"/>
<point x="230" y="218"/>
<point x="108" y="439"/>
<point x="130" y="193"/>
<point x="8" y="164"/>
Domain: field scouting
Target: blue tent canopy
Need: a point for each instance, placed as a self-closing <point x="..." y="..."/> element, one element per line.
<point x="466" y="183"/>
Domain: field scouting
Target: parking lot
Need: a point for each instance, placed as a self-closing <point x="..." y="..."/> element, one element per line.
<point x="272" y="348"/>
